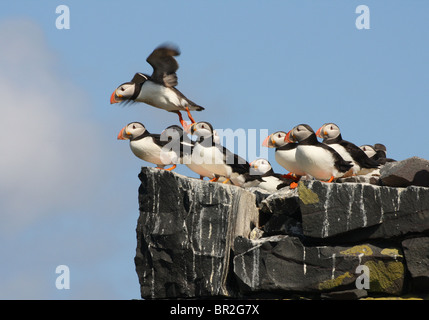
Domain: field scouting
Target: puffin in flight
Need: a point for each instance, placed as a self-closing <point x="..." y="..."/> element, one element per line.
<point x="331" y="135"/>
<point x="159" y="89"/>
<point x="315" y="158"/>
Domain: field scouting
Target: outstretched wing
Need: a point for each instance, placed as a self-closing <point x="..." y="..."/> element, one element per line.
<point x="164" y="65"/>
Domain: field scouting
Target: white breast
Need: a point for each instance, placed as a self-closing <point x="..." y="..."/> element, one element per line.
<point x="200" y="170"/>
<point x="287" y="159"/>
<point x="211" y="159"/>
<point x="148" y="151"/>
<point x="316" y="161"/>
<point x="270" y="183"/>
<point x="161" y="97"/>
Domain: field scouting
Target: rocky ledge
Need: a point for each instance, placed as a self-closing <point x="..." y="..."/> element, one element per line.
<point x="348" y="240"/>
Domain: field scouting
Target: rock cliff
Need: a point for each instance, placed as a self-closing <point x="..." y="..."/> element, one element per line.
<point x="346" y="240"/>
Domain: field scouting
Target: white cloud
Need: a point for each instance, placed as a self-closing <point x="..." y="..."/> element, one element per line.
<point x="47" y="145"/>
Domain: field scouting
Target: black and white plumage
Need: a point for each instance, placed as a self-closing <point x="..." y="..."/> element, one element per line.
<point x="159" y="89"/>
<point x="178" y="143"/>
<point x="377" y="152"/>
<point x="284" y="153"/>
<point x="315" y="158"/>
<point x="215" y="157"/>
<point x="262" y="175"/>
<point x="183" y="146"/>
<point x="331" y="135"/>
<point x="147" y="146"/>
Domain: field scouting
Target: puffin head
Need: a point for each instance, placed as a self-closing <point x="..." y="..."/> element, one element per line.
<point x="275" y="140"/>
<point x="202" y="129"/>
<point x="369" y="150"/>
<point x="122" y="93"/>
<point x="259" y="166"/>
<point x="170" y="133"/>
<point x="128" y="91"/>
<point x="328" y="131"/>
<point x="299" y="133"/>
<point x="131" y="131"/>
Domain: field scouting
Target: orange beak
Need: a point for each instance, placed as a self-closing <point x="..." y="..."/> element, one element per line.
<point x="265" y="143"/>
<point x="319" y="131"/>
<point x="287" y="138"/>
<point x="121" y="134"/>
<point x="113" y="98"/>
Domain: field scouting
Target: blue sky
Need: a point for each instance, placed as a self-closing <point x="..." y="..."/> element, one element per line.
<point x="69" y="188"/>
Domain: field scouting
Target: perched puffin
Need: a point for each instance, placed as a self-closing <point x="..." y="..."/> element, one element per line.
<point x="270" y="180"/>
<point x="315" y="158"/>
<point x="159" y="89"/>
<point x="377" y="153"/>
<point x="147" y="146"/>
<point x="284" y="154"/>
<point x="331" y="135"/>
<point x="183" y="146"/>
<point x="178" y="144"/>
<point x="215" y="157"/>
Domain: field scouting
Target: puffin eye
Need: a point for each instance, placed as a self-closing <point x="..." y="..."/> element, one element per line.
<point x="134" y="126"/>
<point x="279" y="135"/>
<point x="122" y="89"/>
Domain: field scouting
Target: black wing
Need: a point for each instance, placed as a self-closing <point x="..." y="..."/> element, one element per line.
<point x="359" y="155"/>
<point x="157" y="139"/>
<point x="139" y="78"/>
<point x="164" y="65"/>
<point x="340" y="163"/>
<point x="288" y="146"/>
<point x="237" y="163"/>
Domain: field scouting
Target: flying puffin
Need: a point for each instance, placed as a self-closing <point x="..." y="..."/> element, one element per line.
<point x="315" y="158"/>
<point x="331" y="135"/>
<point x="182" y="146"/>
<point x="377" y="153"/>
<point x="270" y="180"/>
<point x="147" y="146"/>
<point x="215" y="157"/>
<point x="284" y="154"/>
<point x="159" y="89"/>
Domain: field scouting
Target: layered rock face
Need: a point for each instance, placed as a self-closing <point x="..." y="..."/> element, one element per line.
<point x="198" y="239"/>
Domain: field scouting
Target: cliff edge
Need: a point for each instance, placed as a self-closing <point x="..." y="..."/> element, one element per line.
<point x="347" y="240"/>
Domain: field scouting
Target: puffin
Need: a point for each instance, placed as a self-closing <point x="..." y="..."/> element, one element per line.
<point x="147" y="146"/>
<point x="315" y="158"/>
<point x="284" y="154"/>
<point x="377" y="153"/>
<point x="178" y="144"/>
<point x="331" y="135"/>
<point x="182" y="146"/>
<point x="216" y="158"/>
<point x="269" y="180"/>
<point x="159" y="89"/>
